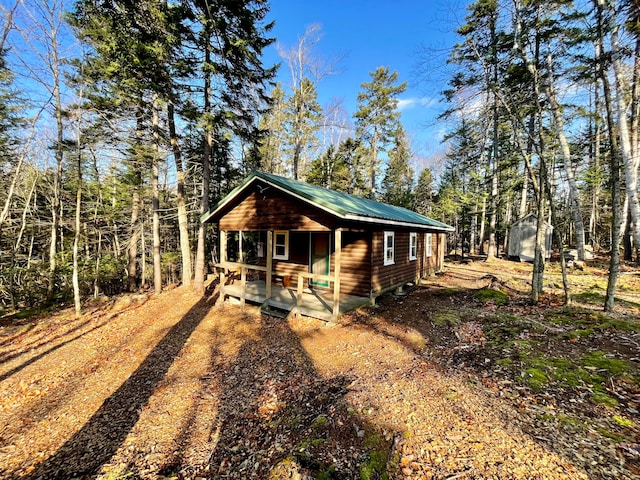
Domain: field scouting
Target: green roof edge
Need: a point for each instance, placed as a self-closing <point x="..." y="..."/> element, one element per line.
<point x="363" y="208"/>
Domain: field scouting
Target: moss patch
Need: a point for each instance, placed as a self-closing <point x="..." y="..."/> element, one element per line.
<point x="489" y="295"/>
<point x="446" y="317"/>
<point x="375" y="464"/>
<point x="601" y="361"/>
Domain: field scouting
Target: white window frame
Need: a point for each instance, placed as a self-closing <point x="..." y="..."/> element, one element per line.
<point x="284" y="256"/>
<point x="413" y="246"/>
<point x="389" y="249"/>
<point x="428" y="244"/>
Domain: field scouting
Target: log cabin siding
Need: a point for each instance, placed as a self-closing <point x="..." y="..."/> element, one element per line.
<point x="431" y="264"/>
<point x="275" y="211"/>
<point x="355" y="271"/>
<point x="403" y="270"/>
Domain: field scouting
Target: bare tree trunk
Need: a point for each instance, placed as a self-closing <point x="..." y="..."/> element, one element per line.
<point x="59" y="155"/>
<point x="629" y="162"/>
<point x="614" y="149"/>
<point x="483" y="221"/>
<point x="134" y="238"/>
<point x="134" y="225"/>
<point x="492" y="252"/>
<point x="595" y="194"/>
<point x="76" y="238"/>
<point x="493" y="208"/>
<point x="183" y="226"/>
<point x="157" y="260"/>
<point x="574" y="193"/>
<point x="201" y="259"/>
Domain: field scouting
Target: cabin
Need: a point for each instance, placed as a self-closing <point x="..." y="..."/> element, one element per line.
<point x="294" y="247"/>
<point x="522" y="238"/>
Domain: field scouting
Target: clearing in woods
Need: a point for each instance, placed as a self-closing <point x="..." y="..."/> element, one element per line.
<point x="461" y="378"/>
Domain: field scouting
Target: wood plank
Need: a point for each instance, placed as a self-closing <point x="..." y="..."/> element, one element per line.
<point x="269" y="262"/>
<point x="275" y="210"/>
<point x="223" y="258"/>
<point x="336" y="273"/>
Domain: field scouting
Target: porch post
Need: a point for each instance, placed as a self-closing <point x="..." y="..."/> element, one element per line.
<point x="336" y="273"/>
<point x="269" y="263"/>
<point x="223" y="259"/>
<point x="243" y="285"/>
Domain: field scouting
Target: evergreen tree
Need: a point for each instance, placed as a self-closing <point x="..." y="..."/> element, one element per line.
<point x="273" y="123"/>
<point x="303" y="116"/>
<point x="397" y="184"/>
<point x="377" y="119"/>
<point x="423" y="193"/>
<point x="335" y="169"/>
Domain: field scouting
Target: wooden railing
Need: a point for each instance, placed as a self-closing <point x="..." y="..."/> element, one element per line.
<point x="243" y="268"/>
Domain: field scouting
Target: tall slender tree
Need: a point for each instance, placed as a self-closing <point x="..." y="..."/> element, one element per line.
<point x="397" y="184"/>
<point x="377" y="119"/>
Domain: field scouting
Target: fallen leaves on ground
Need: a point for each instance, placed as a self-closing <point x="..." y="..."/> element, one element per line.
<point x="171" y="386"/>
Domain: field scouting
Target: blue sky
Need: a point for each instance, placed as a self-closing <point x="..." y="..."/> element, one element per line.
<point x="405" y="35"/>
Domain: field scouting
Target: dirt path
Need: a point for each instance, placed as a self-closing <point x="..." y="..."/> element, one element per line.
<point x="171" y="386"/>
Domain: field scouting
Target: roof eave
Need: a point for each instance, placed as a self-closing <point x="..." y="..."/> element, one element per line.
<point x="334" y="211"/>
<point x="205" y="217"/>
<point x="396" y="223"/>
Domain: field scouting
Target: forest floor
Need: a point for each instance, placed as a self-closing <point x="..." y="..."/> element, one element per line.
<point x="461" y="378"/>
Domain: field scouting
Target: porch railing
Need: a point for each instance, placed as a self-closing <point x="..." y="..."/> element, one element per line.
<point x="227" y="267"/>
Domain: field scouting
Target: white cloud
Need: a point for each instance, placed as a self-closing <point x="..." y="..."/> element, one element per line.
<point x="413" y="102"/>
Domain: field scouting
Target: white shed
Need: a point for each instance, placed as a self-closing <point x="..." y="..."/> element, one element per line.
<point x="522" y="238"/>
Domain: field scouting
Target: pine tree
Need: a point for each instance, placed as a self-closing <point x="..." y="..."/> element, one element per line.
<point x="303" y="114"/>
<point x="273" y="123"/>
<point x="335" y="169"/>
<point x="423" y="193"/>
<point x="397" y="184"/>
<point x="377" y="119"/>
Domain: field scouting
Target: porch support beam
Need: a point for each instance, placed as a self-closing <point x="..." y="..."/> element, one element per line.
<point x="223" y="258"/>
<point x="269" y="263"/>
<point x="336" y="273"/>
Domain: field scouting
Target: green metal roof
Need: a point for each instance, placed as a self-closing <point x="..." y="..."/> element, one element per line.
<point x="341" y="204"/>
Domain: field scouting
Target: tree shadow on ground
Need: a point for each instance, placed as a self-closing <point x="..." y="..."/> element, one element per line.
<point x="431" y="323"/>
<point x="93" y="445"/>
<point x="278" y="417"/>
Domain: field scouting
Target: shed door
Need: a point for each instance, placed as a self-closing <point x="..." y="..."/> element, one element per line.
<point x="319" y="257"/>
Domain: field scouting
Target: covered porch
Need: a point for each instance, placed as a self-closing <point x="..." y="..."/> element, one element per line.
<point x="311" y="302"/>
<point x="287" y="291"/>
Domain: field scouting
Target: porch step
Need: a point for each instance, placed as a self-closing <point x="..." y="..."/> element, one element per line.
<point x="274" y="311"/>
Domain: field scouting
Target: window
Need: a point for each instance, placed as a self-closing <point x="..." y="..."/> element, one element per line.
<point x="281" y="245"/>
<point x="428" y="244"/>
<point x="389" y="248"/>
<point x="413" y="246"/>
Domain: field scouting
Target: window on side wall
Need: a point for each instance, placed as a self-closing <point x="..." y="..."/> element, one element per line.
<point x="413" y="246"/>
<point x="281" y="245"/>
<point x="428" y="244"/>
<point x="389" y="248"/>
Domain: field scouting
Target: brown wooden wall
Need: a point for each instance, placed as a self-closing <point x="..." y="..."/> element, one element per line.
<point x="363" y="271"/>
<point x="273" y="210"/>
<point x="385" y="277"/>
<point x="355" y="261"/>
<point x="434" y="263"/>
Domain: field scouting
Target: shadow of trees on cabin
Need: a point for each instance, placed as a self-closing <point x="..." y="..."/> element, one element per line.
<point x="101" y="436"/>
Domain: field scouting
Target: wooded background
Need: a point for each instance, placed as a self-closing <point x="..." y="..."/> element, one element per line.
<point x="121" y="122"/>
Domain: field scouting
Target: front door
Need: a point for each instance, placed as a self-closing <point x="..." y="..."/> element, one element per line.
<point x="319" y="257"/>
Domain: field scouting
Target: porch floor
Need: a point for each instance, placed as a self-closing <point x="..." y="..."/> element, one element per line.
<point x="315" y="303"/>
